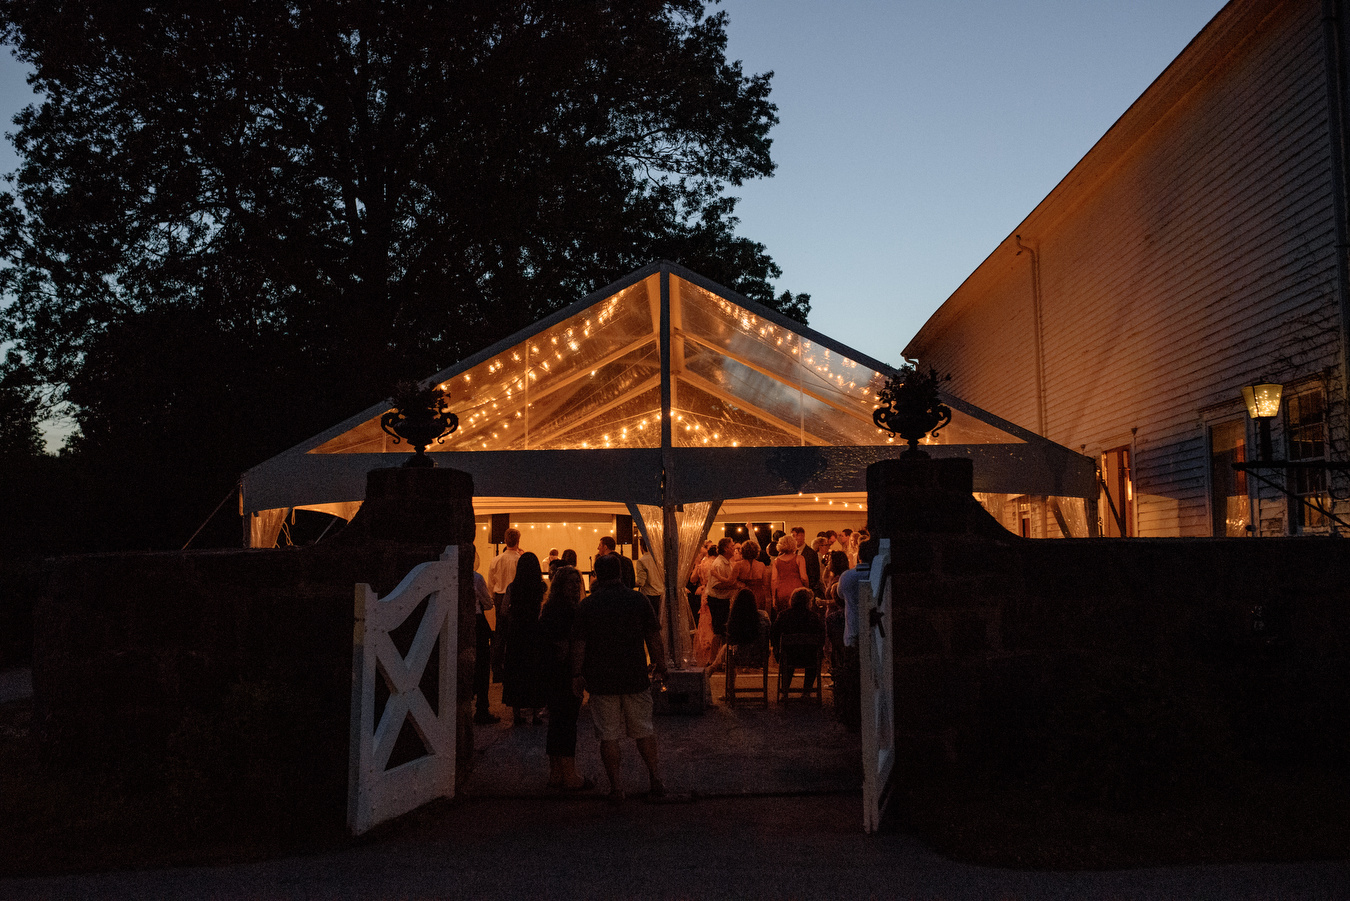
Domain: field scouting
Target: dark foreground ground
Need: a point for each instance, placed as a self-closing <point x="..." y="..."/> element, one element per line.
<point x="767" y="806"/>
<point x="778" y="847"/>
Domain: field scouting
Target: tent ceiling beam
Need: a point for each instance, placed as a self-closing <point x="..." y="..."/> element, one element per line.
<point x="558" y="384"/>
<point x="628" y="395"/>
<point x="731" y="355"/>
<point x="767" y="418"/>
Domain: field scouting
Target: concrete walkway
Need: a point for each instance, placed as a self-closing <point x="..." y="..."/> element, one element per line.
<point x="771" y="810"/>
<point x="790" y="748"/>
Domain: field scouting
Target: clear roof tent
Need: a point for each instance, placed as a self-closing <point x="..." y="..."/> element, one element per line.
<point x="733" y="379"/>
<point x="740" y="376"/>
<point x="670" y="397"/>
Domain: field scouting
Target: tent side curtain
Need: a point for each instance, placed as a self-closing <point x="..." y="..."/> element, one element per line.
<point x="264" y="526"/>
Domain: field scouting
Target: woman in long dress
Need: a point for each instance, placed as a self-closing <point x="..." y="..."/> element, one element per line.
<point x="524" y="654"/>
<point x="555" y="628"/>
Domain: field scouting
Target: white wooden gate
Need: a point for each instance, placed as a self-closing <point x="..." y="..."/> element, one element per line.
<point x="404" y="699"/>
<point x="877" y="663"/>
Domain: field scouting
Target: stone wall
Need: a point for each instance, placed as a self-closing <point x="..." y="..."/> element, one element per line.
<point x="202" y="668"/>
<point x="1125" y="660"/>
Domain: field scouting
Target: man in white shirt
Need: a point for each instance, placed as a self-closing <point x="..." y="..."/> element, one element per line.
<point x="503" y="569"/>
<point x="847" y="683"/>
<point x="721" y="589"/>
<point x="648" y="579"/>
<point x="502" y="573"/>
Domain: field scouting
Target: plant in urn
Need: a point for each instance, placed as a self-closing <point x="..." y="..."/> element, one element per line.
<point x="911" y="409"/>
<point x="421" y="417"/>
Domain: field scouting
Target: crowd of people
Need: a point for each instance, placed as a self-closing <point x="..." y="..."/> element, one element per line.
<point x="554" y="643"/>
<point x="550" y="642"/>
<point x="800" y="589"/>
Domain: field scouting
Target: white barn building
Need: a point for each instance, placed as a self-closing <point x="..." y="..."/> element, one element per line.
<point x="1198" y="247"/>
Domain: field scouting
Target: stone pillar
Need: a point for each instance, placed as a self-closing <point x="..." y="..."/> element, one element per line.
<point x="414" y="506"/>
<point x="945" y="549"/>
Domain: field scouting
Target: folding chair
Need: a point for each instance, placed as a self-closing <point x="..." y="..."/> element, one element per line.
<point x="742" y="661"/>
<point x="800" y="652"/>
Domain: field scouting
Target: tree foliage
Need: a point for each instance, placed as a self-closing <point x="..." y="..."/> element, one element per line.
<point x="261" y="213"/>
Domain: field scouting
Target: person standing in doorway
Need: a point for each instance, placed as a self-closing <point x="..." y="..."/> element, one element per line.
<point x="501" y="574"/>
<point x="613" y="636"/>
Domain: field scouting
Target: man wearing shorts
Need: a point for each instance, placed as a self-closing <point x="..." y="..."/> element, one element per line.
<point x="612" y="635"/>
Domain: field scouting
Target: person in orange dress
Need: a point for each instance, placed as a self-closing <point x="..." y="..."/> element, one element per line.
<point x="788" y="574"/>
<point x="753" y="575"/>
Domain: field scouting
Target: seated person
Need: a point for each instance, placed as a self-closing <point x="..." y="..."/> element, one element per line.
<point x="747" y="632"/>
<point x="799" y="619"/>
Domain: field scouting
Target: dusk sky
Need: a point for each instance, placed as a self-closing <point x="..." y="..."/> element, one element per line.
<point x="915" y="135"/>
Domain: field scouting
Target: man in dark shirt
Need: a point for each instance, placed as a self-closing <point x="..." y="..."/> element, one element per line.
<point x="609" y="548"/>
<point x="812" y="559"/>
<point x="612" y="636"/>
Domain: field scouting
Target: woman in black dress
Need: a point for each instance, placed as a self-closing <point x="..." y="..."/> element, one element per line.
<point x="555" y="629"/>
<point x="523" y="656"/>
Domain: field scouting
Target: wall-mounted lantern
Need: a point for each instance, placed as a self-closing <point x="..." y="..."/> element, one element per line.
<point x="1263" y="405"/>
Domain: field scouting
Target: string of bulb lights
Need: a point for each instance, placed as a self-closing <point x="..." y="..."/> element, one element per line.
<point x="495" y="413"/>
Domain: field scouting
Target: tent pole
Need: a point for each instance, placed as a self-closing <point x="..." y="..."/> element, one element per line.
<point x="670" y="531"/>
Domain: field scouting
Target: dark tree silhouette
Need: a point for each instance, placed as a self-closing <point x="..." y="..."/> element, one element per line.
<point x="233" y="216"/>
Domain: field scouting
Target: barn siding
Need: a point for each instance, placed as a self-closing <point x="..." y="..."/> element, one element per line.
<point x="1201" y="258"/>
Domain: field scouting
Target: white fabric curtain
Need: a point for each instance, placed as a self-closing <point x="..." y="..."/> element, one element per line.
<point x="342" y="510"/>
<point x="675" y="615"/>
<point x="265" y="525"/>
<point x="1074" y="511"/>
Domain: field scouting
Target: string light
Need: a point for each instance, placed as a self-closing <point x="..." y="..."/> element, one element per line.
<point x="587" y="338"/>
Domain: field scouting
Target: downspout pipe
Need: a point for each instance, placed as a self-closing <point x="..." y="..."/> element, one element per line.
<point x="1332" y="28"/>
<point x="1039" y="346"/>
